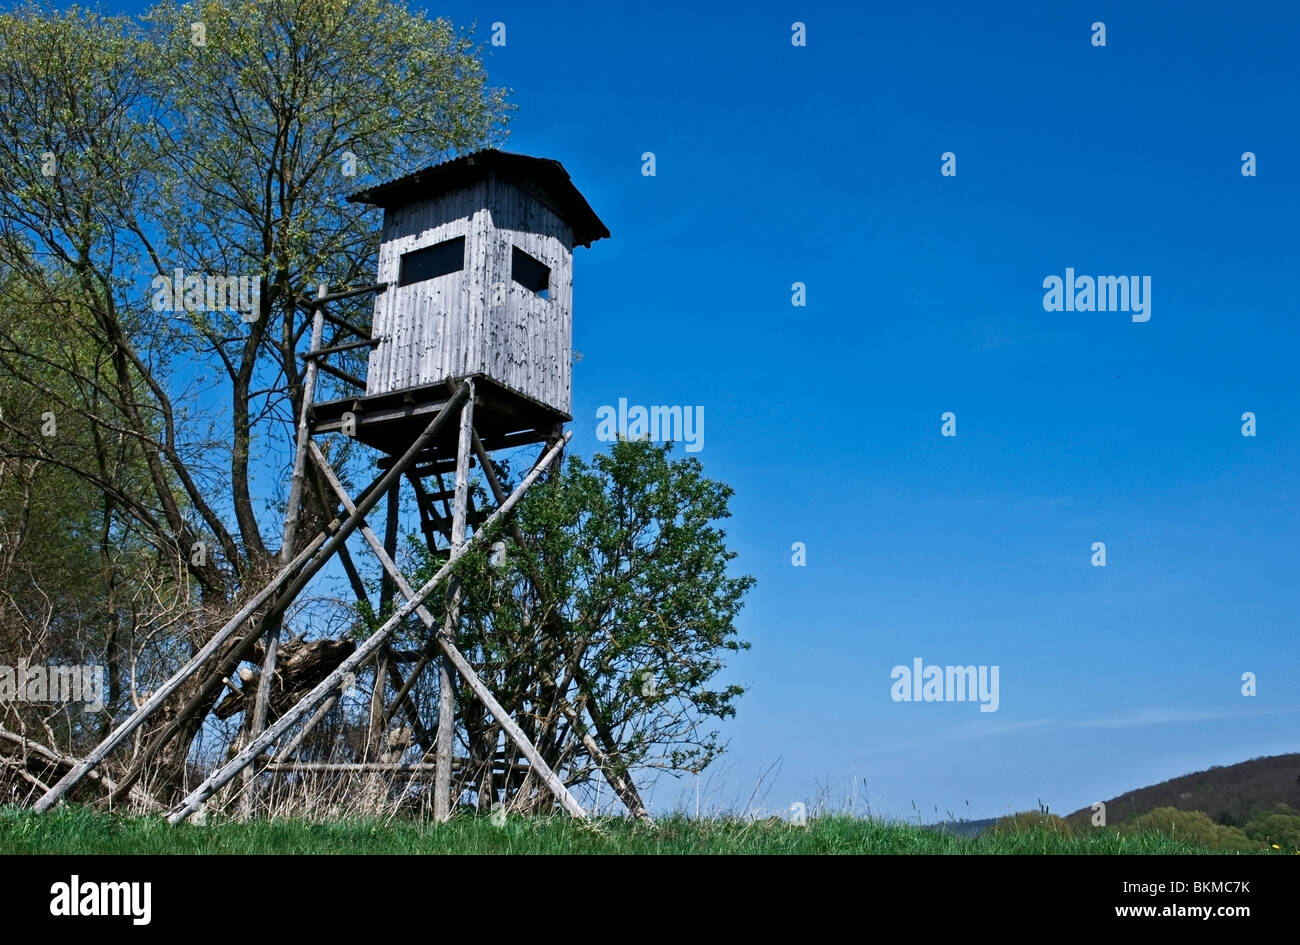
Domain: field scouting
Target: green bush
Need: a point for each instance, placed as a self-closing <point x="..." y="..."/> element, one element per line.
<point x="1031" y="820"/>
<point x="1193" y="826"/>
<point x="1280" y="826"/>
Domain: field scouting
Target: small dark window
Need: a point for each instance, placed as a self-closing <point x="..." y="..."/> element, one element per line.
<point x="532" y="274"/>
<point x="432" y="261"/>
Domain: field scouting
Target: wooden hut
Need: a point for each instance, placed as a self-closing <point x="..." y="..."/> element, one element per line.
<point x="477" y="257"/>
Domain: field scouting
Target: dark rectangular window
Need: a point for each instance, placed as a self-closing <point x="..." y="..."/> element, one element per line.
<point x="432" y="261"/>
<point x="532" y="274"/>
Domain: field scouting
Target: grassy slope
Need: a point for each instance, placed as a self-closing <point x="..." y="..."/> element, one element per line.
<point x="80" y="831"/>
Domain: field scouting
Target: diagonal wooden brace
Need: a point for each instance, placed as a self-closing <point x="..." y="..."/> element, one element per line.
<point x="367" y="649"/>
<point x="296" y="574"/>
<point x="137" y="718"/>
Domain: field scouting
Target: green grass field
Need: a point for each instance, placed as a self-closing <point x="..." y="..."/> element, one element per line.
<point x="81" y="831"/>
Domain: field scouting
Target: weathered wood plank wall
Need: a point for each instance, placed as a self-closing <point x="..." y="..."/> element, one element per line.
<point x="453" y="325"/>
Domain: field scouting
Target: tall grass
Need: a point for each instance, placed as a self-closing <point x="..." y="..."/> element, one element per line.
<point x="74" y="830"/>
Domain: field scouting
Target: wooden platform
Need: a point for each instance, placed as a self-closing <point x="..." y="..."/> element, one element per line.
<point x="391" y="421"/>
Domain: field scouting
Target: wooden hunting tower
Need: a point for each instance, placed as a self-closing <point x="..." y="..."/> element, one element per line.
<point x="470" y="352"/>
<point x="477" y="257"/>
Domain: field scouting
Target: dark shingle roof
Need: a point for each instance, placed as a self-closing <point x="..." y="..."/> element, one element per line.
<point x="545" y="178"/>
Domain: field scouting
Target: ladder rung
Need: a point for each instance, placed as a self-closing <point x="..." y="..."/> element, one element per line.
<point x="344" y="324"/>
<point x="341" y="375"/>
<point x="438" y="469"/>
<point x="345" y="294"/>
<point x="321" y="352"/>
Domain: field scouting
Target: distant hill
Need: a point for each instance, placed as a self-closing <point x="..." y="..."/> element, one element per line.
<point x="964" y="828"/>
<point x="1228" y="794"/>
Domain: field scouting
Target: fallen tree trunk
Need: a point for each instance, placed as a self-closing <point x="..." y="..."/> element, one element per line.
<point x="299" y="668"/>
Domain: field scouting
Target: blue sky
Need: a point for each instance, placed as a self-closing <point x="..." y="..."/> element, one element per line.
<point x="821" y="164"/>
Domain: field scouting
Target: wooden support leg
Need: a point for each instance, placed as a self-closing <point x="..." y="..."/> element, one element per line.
<point x="264" y="683"/>
<point x="442" y="799"/>
<point x="386" y="592"/>
<point x="292" y="508"/>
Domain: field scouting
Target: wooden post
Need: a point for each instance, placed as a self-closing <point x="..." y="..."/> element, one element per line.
<point x="272" y="644"/>
<point x="442" y="799"/>
<point x="386" y="591"/>
<point x="304" y="429"/>
<point x="325" y="687"/>
<point x="260" y="706"/>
